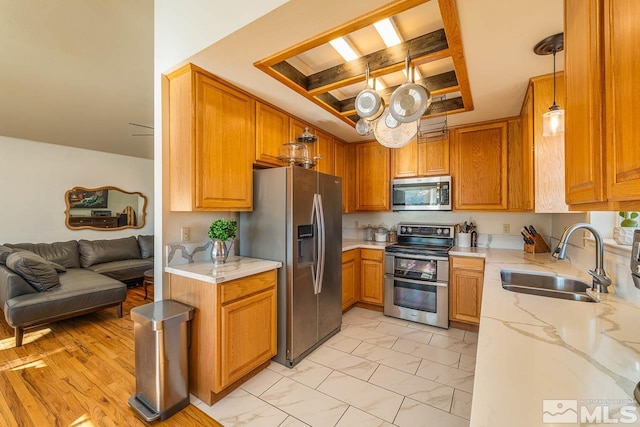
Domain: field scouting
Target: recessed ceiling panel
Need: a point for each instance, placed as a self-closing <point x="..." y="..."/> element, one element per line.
<point x="316" y="70"/>
<point x="420" y="20"/>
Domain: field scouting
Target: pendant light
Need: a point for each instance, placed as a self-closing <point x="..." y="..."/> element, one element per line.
<point x="552" y="120"/>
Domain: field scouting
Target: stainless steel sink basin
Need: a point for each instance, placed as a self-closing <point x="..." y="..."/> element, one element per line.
<point x="547" y="285"/>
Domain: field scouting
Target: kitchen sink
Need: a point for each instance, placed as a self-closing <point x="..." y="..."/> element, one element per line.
<point x="547" y="285"/>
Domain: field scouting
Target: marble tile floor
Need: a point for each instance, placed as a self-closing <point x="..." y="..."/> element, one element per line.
<point x="378" y="371"/>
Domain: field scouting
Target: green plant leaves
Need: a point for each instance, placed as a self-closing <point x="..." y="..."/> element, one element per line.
<point x="223" y="229"/>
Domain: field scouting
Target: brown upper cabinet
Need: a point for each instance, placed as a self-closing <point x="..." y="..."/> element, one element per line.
<point x="479" y="167"/>
<point x="601" y="130"/>
<point x="343" y="167"/>
<point x="211" y="143"/>
<point x="372" y="186"/>
<point x="324" y="150"/>
<point x="543" y="156"/>
<point x="420" y="158"/>
<point x="272" y="130"/>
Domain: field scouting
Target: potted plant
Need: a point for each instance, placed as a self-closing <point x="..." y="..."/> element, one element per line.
<point x="220" y="232"/>
<point x="623" y="235"/>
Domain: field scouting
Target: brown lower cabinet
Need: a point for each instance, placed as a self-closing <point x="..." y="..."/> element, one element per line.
<point x="233" y="331"/>
<point x="350" y="278"/>
<point x="372" y="276"/>
<point x="362" y="278"/>
<point x="466" y="278"/>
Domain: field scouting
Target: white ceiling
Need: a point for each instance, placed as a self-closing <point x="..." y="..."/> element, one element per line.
<point x="75" y="72"/>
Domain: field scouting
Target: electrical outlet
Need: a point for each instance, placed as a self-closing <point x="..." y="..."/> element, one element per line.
<point x="185" y="234"/>
<point x="357" y="225"/>
<point x="506" y="228"/>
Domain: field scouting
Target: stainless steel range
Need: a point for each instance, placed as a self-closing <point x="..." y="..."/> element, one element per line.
<point x="416" y="279"/>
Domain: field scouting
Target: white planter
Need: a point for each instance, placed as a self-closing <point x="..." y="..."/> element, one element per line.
<point x="623" y="235"/>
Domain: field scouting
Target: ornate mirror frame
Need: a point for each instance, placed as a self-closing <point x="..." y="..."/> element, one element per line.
<point x="98" y="216"/>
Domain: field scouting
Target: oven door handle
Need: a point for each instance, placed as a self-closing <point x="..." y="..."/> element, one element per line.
<point x="415" y="282"/>
<point x="420" y="257"/>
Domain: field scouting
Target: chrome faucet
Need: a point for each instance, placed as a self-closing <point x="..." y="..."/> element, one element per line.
<point x="600" y="278"/>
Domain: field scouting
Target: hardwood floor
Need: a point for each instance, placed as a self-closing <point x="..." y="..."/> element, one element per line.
<point x="77" y="372"/>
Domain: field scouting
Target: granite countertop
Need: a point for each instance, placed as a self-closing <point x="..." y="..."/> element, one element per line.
<point x="236" y="267"/>
<point x="533" y="348"/>
<point x="348" y="244"/>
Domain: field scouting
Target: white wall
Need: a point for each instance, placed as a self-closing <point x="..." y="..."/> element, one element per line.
<point x="35" y="177"/>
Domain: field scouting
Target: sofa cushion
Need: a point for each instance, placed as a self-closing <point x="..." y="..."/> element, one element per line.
<point x="146" y="246"/>
<point x="34" y="269"/>
<point x="63" y="253"/>
<point x="128" y="270"/>
<point x="100" y="251"/>
<point x="59" y="268"/>
<point x="80" y="290"/>
<point x="4" y="253"/>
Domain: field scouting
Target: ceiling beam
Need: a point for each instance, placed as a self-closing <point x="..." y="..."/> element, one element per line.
<point x="390" y="9"/>
<point x="381" y="62"/>
<point x="437" y="85"/>
<point x="291" y="73"/>
<point x="330" y="100"/>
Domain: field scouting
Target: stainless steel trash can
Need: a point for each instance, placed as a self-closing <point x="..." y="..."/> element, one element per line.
<point x="161" y="333"/>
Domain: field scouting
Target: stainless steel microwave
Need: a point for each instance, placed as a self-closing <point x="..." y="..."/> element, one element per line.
<point x="421" y="194"/>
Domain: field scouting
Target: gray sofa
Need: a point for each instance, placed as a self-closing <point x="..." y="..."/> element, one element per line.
<point x="46" y="282"/>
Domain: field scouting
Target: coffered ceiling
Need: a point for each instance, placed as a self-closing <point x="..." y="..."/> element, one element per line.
<point x="428" y="31"/>
<point x="77" y="72"/>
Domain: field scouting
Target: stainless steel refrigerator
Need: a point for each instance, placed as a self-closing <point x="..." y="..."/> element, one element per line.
<point x="297" y="220"/>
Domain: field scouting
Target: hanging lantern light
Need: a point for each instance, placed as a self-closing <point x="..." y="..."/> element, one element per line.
<point x="552" y="120"/>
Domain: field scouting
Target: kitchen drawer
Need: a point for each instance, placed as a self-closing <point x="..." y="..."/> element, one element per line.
<point x="467" y="263"/>
<point x="235" y="289"/>
<point x="372" y="254"/>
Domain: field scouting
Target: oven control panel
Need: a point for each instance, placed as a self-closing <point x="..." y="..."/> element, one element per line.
<point x="425" y="230"/>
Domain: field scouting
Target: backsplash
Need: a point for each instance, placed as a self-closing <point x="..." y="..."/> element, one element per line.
<point x="187" y="252"/>
<point x="489" y="224"/>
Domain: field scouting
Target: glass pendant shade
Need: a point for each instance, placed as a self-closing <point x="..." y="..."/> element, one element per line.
<point x="553" y="122"/>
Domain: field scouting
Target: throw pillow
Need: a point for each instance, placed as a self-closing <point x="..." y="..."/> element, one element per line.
<point x="34" y="269"/>
<point x="146" y="246"/>
<point x="4" y="253"/>
<point x="63" y="253"/>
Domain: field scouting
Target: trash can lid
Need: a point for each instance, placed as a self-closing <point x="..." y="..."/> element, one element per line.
<point x="162" y="313"/>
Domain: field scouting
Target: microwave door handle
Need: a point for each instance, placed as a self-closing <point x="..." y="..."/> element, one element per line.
<point x="437" y="194"/>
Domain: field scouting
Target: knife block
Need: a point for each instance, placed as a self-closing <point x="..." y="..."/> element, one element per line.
<point x="539" y="246"/>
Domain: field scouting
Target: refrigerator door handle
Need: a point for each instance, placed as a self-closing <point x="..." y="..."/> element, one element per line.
<point x="315" y="272"/>
<point x="322" y="237"/>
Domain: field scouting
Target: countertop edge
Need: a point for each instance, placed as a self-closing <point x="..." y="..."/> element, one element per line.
<point x="245" y="267"/>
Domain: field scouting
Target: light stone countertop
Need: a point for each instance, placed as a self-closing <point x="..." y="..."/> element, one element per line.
<point x="533" y="348"/>
<point x="236" y="267"/>
<point x="348" y="244"/>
